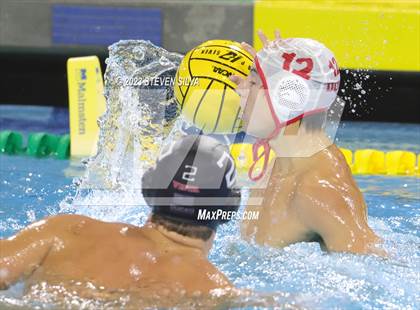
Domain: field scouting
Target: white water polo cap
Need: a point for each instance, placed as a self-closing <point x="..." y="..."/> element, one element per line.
<point x="300" y="77"/>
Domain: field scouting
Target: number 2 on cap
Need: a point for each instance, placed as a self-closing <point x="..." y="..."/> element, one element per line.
<point x="289" y="57"/>
<point x="190" y="175"/>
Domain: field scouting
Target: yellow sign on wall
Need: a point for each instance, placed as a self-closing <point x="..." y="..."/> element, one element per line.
<point x="380" y="35"/>
<point x="86" y="103"/>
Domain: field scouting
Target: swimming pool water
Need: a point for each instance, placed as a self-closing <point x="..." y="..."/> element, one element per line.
<point x="33" y="188"/>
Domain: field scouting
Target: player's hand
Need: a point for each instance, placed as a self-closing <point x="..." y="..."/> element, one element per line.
<point x="264" y="40"/>
<point x="238" y="80"/>
<point x="249" y="49"/>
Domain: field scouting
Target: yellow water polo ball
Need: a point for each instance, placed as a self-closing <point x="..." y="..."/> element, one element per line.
<point x="203" y="89"/>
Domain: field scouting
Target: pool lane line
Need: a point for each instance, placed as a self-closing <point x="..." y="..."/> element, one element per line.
<point x="39" y="144"/>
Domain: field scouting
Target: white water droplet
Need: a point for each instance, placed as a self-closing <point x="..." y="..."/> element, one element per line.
<point x="135" y="272"/>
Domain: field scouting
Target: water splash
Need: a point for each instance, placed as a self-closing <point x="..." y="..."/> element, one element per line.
<point x="140" y="118"/>
<point x="356" y="89"/>
<point x="140" y="112"/>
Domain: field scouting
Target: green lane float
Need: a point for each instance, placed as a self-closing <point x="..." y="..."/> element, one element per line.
<point x="63" y="147"/>
<point x="10" y="142"/>
<point x="39" y="144"/>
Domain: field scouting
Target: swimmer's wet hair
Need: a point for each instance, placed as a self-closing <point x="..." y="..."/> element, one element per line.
<point x="183" y="228"/>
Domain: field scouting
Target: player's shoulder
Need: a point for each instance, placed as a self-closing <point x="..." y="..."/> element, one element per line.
<point x="329" y="165"/>
<point x="67" y="217"/>
<point x="51" y="225"/>
<point x="320" y="185"/>
<point x="63" y="219"/>
<point x="336" y="157"/>
<point x="308" y="179"/>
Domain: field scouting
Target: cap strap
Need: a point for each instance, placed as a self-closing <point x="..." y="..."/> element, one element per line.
<point x="266" y="153"/>
<point x="263" y="142"/>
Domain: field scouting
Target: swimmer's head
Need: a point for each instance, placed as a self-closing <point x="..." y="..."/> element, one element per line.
<point x="300" y="78"/>
<point x="293" y="79"/>
<point x="191" y="188"/>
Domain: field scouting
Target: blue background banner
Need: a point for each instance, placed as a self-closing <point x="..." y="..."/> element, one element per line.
<point x="99" y="25"/>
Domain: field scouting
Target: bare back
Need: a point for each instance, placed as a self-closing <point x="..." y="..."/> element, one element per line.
<point x="110" y="255"/>
<point x="317" y="201"/>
